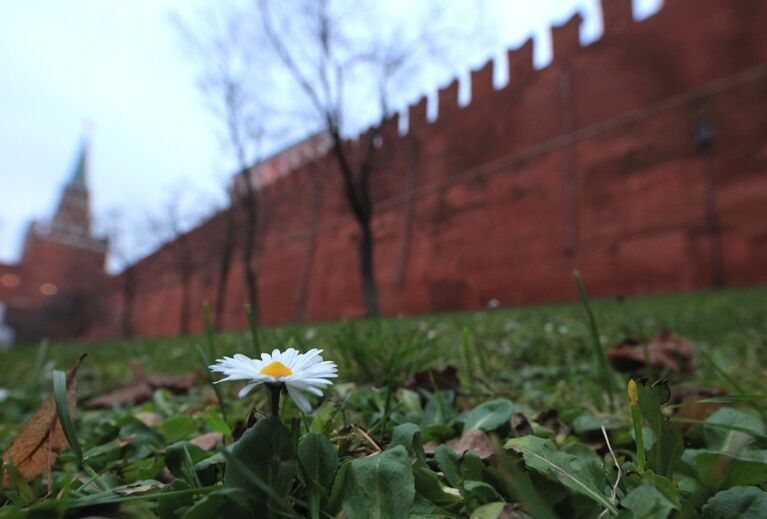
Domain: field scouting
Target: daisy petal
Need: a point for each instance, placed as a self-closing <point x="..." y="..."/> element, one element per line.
<point x="247" y="389"/>
<point x="299" y="399"/>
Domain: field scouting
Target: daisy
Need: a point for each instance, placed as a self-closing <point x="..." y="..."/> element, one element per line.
<point x="298" y="372"/>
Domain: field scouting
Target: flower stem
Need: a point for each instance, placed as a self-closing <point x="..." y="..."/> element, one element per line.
<point x="274" y="391"/>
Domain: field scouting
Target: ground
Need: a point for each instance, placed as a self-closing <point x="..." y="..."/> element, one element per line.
<point x="527" y="397"/>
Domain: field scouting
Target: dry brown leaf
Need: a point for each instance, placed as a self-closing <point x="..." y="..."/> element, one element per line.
<point x="208" y="441"/>
<point x="142" y="389"/>
<point x="550" y="419"/>
<point x="689" y="395"/>
<point x="134" y="393"/>
<point x="666" y="351"/>
<point x="41" y="439"/>
<point x="149" y="418"/>
<point x="140" y="488"/>
<point x="477" y="442"/>
<point x="443" y="379"/>
<point x="520" y="426"/>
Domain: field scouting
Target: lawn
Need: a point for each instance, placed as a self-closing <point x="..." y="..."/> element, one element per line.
<point x="492" y="414"/>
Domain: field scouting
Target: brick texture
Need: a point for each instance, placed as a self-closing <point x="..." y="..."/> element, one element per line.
<point x="590" y="163"/>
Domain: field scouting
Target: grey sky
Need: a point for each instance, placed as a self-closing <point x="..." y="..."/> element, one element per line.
<point x="120" y="65"/>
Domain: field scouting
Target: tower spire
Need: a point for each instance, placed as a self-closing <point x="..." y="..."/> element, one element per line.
<point x="80" y="172"/>
<point x="72" y="215"/>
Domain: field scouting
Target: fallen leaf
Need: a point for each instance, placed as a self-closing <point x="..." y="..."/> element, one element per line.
<point x="477" y="442"/>
<point x="688" y="395"/>
<point x="137" y="367"/>
<point x="139" y="488"/>
<point x="142" y="390"/>
<point x="122" y="442"/>
<point x="149" y="418"/>
<point x="520" y="426"/>
<point x="174" y="383"/>
<point x="208" y="441"/>
<point x="134" y="393"/>
<point x="431" y="447"/>
<point x="41" y="439"/>
<point x="443" y="379"/>
<point x="551" y="420"/>
<point x="666" y="352"/>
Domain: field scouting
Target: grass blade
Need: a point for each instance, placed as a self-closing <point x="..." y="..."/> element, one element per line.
<point x="253" y="331"/>
<point x="217" y="390"/>
<point x="62" y="410"/>
<point x="636" y="418"/>
<point x="599" y="356"/>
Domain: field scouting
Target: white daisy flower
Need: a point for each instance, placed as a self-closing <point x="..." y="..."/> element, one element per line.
<point x="299" y="372"/>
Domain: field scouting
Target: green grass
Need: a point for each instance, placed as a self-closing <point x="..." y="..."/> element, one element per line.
<point x="524" y="360"/>
<point x="731" y="325"/>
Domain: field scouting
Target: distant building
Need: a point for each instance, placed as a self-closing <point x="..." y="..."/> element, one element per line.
<point x="52" y="291"/>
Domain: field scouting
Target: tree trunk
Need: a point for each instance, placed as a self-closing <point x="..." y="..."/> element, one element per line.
<point x="184" y="325"/>
<point x="127" y="314"/>
<point x="369" y="290"/>
<point x="223" y="270"/>
<point x="251" y="221"/>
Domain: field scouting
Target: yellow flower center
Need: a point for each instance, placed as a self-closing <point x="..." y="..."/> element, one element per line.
<point x="276" y="370"/>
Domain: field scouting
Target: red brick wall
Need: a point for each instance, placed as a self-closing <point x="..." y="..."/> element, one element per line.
<point x="589" y="163"/>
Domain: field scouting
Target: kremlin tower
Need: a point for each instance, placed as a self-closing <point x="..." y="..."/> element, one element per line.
<point x="53" y="290"/>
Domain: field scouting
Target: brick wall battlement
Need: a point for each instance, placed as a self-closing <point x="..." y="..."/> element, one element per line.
<point x="599" y="161"/>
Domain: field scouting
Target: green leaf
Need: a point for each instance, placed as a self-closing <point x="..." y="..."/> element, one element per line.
<point x="63" y="404"/>
<point x="339" y="488"/>
<point x="424" y="509"/>
<point x="409" y="436"/>
<point x="664" y="486"/>
<point x="319" y="462"/>
<point x="231" y="503"/>
<point x="720" y="471"/>
<point x="725" y="440"/>
<point x="254" y="462"/>
<point x="178" y="428"/>
<point x="472" y="467"/>
<point x="491" y="415"/>
<point x="740" y="502"/>
<point x="668" y="443"/>
<point x="647" y="501"/>
<point x="181" y="457"/>
<point x="428" y="486"/>
<point x="479" y="492"/>
<point x="447" y="461"/>
<point x="168" y="505"/>
<point x="381" y="486"/>
<point x="574" y="472"/>
<point x="318" y="459"/>
<point x="491" y="511"/>
<point x="217" y="424"/>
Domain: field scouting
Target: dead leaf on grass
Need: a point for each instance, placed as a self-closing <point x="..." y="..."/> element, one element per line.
<point x="41" y="439"/>
<point x="667" y="351"/>
<point x="149" y="418"/>
<point x="689" y="395"/>
<point x="443" y="379"/>
<point x="142" y="389"/>
<point x="208" y="441"/>
<point x="139" y="488"/>
<point x="477" y="442"/>
<point x="520" y="426"/>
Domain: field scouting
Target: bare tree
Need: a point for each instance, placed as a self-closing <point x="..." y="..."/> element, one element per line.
<point x="321" y="66"/>
<point x="170" y="228"/>
<point x="326" y="48"/>
<point x="226" y="80"/>
<point x="115" y="227"/>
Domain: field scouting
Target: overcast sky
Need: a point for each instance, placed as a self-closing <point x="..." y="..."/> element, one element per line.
<point x="120" y="65"/>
